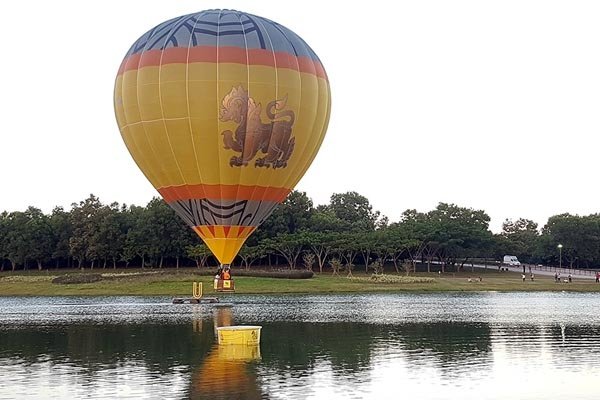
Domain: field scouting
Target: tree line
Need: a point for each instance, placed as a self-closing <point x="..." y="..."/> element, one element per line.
<point x="344" y="234"/>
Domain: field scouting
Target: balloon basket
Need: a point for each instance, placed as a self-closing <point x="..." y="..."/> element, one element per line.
<point x="223" y="285"/>
<point x="246" y="335"/>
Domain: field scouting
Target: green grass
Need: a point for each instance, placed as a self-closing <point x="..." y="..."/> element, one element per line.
<point x="172" y="283"/>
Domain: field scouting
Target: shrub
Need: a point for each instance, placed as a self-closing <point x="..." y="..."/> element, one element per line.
<point x="394" y="279"/>
<point x="283" y="274"/>
<point x="77" y="278"/>
<point x="22" y="278"/>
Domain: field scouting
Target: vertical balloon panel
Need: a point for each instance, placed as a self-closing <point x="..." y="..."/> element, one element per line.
<point x="223" y="112"/>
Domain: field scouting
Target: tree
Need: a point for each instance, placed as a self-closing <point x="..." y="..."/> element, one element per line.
<point x="108" y="241"/>
<point x="321" y="244"/>
<point x="377" y="267"/>
<point x="139" y="239"/>
<point x="403" y="239"/>
<point x="579" y="236"/>
<point x="308" y="258"/>
<point x="416" y="231"/>
<point x="346" y="247"/>
<point x="367" y="244"/>
<point x="161" y="226"/>
<point x="249" y="254"/>
<point x="15" y="247"/>
<point x="38" y="236"/>
<point x="521" y="238"/>
<point x="354" y="210"/>
<point x="184" y="237"/>
<point x="3" y="238"/>
<point x="336" y="266"/>
<point x="323" y="220"/>
<point x="287" y="245"/>
<point x="291" y="216"/>
<point x="60" y="223"/>
<point x="199" y="253"/>
<point x="84" y="221"/>
<point x="458" y="231"/>
<point x="295" y="211"/>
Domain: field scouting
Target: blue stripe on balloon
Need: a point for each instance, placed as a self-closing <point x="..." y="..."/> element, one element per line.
<point x="197" y="30"/>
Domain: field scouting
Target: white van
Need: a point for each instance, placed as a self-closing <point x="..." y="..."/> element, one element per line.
<point x="511" y="261"/>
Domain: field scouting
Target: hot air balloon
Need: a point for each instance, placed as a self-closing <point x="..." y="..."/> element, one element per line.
<point x="223" y="112"/>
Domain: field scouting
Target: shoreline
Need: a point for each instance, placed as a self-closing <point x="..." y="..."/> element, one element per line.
<point x="179" y="283"/>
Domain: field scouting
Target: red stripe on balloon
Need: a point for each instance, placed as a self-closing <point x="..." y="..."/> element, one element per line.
<point x="226" y="230"/>
<point x="235" y="55"/>
<point x="223" y="192"/>
<point x="211" y="228"/>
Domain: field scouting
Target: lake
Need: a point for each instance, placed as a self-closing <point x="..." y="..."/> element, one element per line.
<point x="364" y="346"/>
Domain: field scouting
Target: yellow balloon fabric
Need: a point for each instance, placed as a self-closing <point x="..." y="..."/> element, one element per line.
<point x="223" y="112"/>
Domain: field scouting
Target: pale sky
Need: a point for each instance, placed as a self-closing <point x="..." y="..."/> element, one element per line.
<point x="493" y="105"/>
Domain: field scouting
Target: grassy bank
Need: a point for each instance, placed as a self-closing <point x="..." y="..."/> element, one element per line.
<point x="179" y="283"/>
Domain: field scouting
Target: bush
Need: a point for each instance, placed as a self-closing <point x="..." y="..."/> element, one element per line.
<point x="23" y="278"/>
<point x="235" y="272"/>
<point x="77" y="278"/>
<point x="394" y="279"/>
<point x="281" y="274"/>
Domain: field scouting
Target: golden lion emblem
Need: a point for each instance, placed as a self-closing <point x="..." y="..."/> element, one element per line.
<point x="273" y="138"/>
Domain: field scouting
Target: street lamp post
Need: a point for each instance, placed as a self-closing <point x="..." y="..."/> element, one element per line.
<point x="559" y="256"/>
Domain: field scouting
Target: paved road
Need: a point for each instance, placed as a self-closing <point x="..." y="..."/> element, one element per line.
<point x="550" y="271"/>
<point x="541" y="270"/>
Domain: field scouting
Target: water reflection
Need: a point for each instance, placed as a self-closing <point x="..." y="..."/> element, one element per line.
<point x="224" y="373"/>
<point x="149" y="349"/>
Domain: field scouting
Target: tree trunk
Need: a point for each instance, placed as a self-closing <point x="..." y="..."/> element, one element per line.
<point x="93" y="261"/>
<point x="177" y="262"/>
<point x="39" y="264"/>
<point x="114" y="263"/>
<point x="13" y="265"/>
<point x="56" y="263"/>
<point x="79" y="263"/>
<point x="104" y="265"/>
<point x="143" y="260"/>
<point x="321" y="257"/>
<point x="160" y="262"/>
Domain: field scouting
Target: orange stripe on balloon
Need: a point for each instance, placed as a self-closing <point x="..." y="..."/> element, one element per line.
<point x="224" y="231"/>
<point x="223" y="192"/>
<point x="236" y="55"/>
<point x="247" y="231"/>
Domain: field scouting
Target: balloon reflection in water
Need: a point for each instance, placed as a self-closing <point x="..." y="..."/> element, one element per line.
<point x="225" y="372"/>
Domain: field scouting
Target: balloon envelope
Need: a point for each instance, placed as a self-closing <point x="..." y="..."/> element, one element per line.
<point x="223" y="112"/>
